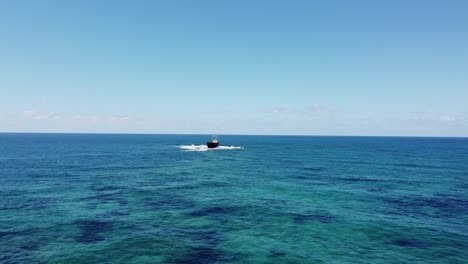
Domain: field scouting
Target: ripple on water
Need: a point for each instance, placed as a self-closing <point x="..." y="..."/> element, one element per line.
<point x="281" y="200"/>
<point x="163" y="201"/>
<point x="104" y="197"/>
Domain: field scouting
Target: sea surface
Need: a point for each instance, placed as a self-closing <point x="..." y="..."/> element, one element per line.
<point x="108" y="198"/>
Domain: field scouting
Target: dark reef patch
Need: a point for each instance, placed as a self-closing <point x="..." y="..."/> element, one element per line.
<point x="200" y="238"/>
<point x="314" y="169"/>
<point x="409" y="243"/>
<point x="5" y="235"/>
<point x="169" y="201"/>
<point x="316" y="216"/>
<point x="107" y="188"/>
<point x="8" y="259"/>
<point x="446" y="206"/>
<point x="209" y="184"/>
<point x="91" y="229"/>
<point x="274" y="253"/>
<point x="357" y="179"/>
<point x="212" y="211"/>
<point x="380" y="189"/>
<point x="210" y="238"/>
<point x="206" y="255"/>
<point x="203" y="244"/>
<point x="31" y="246"/>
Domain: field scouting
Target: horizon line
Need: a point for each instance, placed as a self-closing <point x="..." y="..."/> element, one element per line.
<point x="228" y="134"/>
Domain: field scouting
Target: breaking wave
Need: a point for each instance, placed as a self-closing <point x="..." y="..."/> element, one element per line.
<point x="205" y="148"/>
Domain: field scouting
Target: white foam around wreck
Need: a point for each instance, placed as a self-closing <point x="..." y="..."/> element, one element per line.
<point x="205" y="148"/>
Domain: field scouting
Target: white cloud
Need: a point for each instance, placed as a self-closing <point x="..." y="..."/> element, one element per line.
<point x="434" y="118"/>
<point x="86" y="118"/>
<point x="317" y="108"/>
<point x="419" y="117"/>
<point x="448" y="118"/>
<point x="277" y="110"/>
<point x="117" y="118"/>
<point x="314" y="108"/>
<point x="39" y="115"/>
<point x="52" y="116"/>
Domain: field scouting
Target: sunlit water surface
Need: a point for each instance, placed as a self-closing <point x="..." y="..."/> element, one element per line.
<point x="77" y="198"/>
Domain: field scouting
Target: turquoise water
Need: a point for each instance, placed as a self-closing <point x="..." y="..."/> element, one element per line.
<point x="71" y="198"/>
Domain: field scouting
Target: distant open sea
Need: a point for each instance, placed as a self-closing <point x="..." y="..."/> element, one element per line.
<point x="108" y="198"/>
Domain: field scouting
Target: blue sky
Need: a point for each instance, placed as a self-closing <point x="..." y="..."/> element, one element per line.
<point x="235" y="67"/>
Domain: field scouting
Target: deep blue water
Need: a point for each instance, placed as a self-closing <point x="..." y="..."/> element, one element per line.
<point x="84" y="198"/>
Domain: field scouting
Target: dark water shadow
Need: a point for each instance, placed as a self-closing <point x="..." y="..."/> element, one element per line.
<point x="201" y="255"/>
<point x="213" y="211"/>
<point x="357" y="179"/>
<point x="446" y="206"/>
<point x="5" y="235"/>
<point x="165" y="201"/>
<point x="204" y="248"/>
<point x="321" y="216"/>
<point x="314" y="169"/>
<point x="90" y="230"/>
<point x="409" y="243"/>
<point x="108" y="188"/>
<point x="275" y="253"/>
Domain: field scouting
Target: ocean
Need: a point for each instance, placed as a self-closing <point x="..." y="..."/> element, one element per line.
<point x="110" y="198"/>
